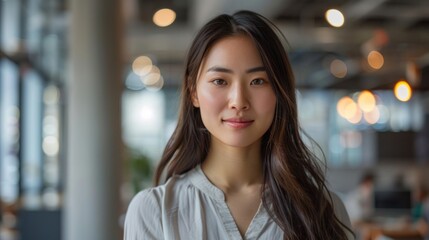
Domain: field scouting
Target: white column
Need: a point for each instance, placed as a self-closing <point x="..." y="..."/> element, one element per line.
<point x="93" y="164"/>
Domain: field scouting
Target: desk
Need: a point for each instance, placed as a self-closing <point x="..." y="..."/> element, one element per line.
<point x="404" y="231"/>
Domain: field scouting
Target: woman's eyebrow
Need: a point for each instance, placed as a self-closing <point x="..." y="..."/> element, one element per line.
<point x="256" y="69"/>
<point x="227" y="70"/>
<point x="219" y="69"/>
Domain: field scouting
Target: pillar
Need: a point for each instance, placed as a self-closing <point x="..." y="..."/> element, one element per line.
<point x="91" y="206"/>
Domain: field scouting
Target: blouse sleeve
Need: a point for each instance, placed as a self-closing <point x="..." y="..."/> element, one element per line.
<point x="143" y="218"/>
<point x="342" y="215"/>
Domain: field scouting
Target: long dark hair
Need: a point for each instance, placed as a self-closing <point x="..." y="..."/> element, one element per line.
<point x="295" y="193"/>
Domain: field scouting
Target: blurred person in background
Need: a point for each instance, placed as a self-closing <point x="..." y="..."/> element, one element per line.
<point x="420" y="211"/>
<point x="420" y="204"/>
<point x="359" y="202"/>
<point x="236" y="166"/>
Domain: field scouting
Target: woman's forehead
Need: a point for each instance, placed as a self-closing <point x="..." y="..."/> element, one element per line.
<point x="238" y="51"/>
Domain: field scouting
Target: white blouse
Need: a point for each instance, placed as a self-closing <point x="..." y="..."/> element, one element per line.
<point x="189" y="206"/>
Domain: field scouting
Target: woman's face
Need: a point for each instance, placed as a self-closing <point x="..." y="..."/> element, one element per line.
<point x="235" y="96"/>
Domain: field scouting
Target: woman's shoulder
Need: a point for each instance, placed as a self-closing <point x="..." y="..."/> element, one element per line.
<point x="143" y="216"/>
<point x="146" y="203"/>
<point x="149" y="196"/>
<point x="155" y="195"/>
<point x="147" y="208"/>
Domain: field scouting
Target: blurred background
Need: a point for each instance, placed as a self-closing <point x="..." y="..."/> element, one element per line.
<point x="89" y="96"/>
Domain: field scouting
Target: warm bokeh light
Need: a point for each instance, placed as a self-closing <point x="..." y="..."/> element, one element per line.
<point x="357" y="115"/>
<point x="157" y="85"/>
<point x="348" y="109"/>
<point x="151" y="79"/>
<point x="142" y="65"/>
<point x="164" y="17"/>
<point x="375" y="59"/>
<point x="366" y="101"/>
<point x="403" y="91"/>
<point x="155" y="69"/>
<point x="338" y="68"/>
<point x="373" y="116"/>
<point x="334" y="17"/>
<point x="342" y="105"/>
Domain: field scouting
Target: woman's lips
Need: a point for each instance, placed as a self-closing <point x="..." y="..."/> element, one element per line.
<point x="238" y="123"/>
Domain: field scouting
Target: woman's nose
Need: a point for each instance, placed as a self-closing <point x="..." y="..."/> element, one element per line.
<point x="239" y="98"/>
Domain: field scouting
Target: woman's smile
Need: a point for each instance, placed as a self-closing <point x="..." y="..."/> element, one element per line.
<point x="238" y="123"/>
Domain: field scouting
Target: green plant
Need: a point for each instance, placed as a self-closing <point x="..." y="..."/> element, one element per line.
<point x="140" y="167"/>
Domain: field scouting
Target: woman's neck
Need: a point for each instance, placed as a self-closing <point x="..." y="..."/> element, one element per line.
<point x="232" y="168"/>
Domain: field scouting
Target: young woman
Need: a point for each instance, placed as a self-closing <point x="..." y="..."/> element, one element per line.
<point x="236" y="166"/>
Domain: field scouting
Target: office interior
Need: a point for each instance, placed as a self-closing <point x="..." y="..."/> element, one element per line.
<point x="89" y="94"/>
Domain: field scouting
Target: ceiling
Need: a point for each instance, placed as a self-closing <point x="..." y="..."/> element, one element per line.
<point x="399" y="29"/>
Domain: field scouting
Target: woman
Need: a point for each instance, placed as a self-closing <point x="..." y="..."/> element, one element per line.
<point x="236" y="166"/>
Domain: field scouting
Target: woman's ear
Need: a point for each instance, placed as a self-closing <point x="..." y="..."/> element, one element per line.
<point x="194" y="97"/>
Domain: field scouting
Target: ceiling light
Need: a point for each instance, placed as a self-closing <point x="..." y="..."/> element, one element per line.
<point x="366" y="101"/>
<point x="142" y="65"/>
<point x="334" y="17"/>
<point x="342" y="105"/>
<point x="373" y="116"/>
<point x="402" y="91"/>
<point x="338" y="68"/>
<point x="375" y="59"/>
<point x="164" y="17"/>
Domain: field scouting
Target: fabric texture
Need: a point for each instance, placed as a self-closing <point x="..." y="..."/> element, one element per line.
<point x="189" y="206"/>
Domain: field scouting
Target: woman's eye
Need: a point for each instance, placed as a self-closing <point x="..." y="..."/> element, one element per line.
<point x="219" y="82"/>
<point x="258" y="81"/>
